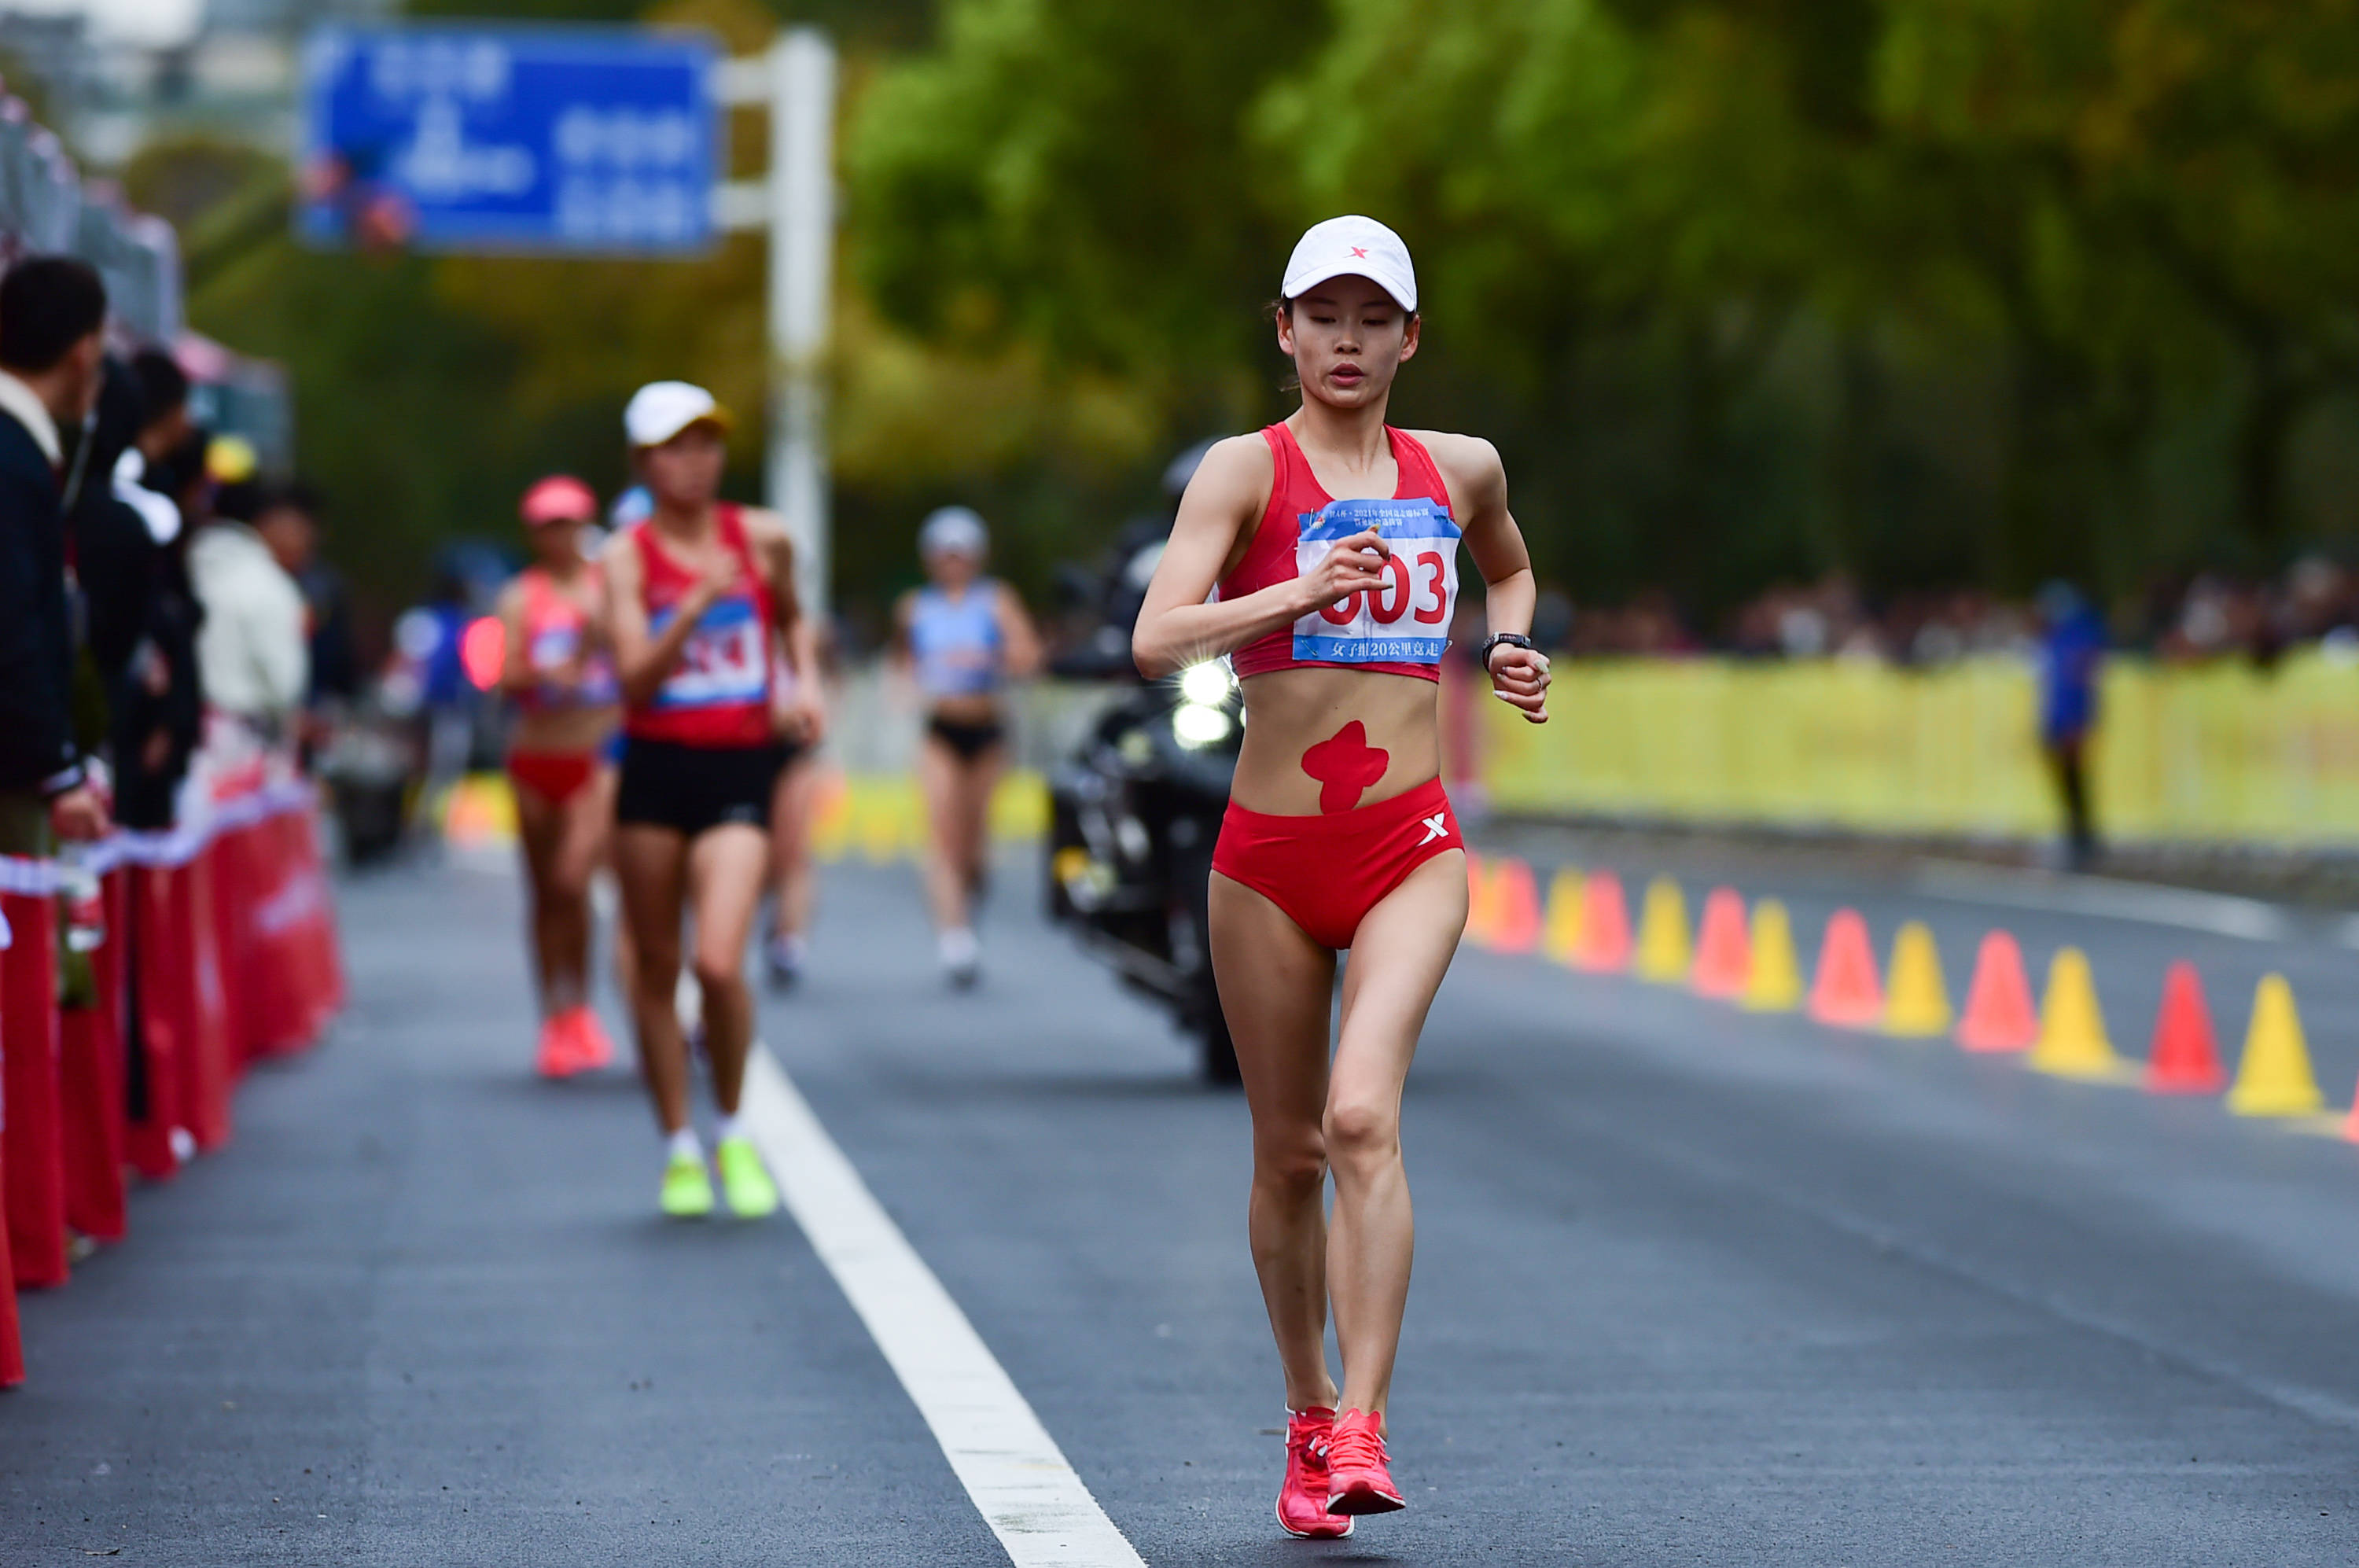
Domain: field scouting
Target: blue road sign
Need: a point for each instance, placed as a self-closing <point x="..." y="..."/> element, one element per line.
<point x="453" y="137"/>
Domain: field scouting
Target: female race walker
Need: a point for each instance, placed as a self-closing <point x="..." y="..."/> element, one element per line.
<point x="1333" y="540"/>
<point x="965" y="635"/>
<point x="558" y="673"/>
<point x="802" y="724"/>
<point x="701" y="598"/>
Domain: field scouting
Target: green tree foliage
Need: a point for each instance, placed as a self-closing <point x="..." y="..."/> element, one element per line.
<point x="1933" y="290"/>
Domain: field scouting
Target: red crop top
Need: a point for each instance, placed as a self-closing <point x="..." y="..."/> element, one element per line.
<point x="1400" y="629"/>
<point x="718" y="693"/>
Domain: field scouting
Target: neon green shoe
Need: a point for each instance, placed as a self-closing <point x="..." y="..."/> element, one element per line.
<point x="743" y="1183"/>
<point x="686" y="1190"/>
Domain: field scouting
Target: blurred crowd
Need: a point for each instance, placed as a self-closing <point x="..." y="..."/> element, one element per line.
<point x="150" y="585"/>
<point x="2187" y="618"/>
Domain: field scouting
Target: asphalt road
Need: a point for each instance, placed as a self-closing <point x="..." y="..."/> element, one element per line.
<point x="1694" y="1286"/>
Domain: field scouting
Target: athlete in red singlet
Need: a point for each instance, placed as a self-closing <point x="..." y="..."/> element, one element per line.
<point x="1333" y="540"/>
<point x="700" y="601"/>
<point x="561" y="680"/>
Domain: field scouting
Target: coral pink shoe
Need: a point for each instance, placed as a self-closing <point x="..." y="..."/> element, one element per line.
<point x="559" y="1051"/>
<point x="1302" y="1499"/>
<point x="1359" y="1476"/>
<point x="591" y="1048"/>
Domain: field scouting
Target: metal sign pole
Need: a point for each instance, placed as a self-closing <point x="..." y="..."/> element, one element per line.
<point x="802" y="247"/>
<point x="796" y="203"/>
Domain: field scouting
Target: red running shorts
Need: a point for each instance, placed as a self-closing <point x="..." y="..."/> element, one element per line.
<point x="1325" y="873"/>
<point x="554" y="776"/>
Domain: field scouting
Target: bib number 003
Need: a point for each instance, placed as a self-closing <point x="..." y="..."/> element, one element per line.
<point x="1405" y="618"/>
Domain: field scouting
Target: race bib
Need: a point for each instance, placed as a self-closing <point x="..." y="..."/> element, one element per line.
<point x="1403" y="620"/>
<point x="553" y="649"/>
<point x="722" y="664"/>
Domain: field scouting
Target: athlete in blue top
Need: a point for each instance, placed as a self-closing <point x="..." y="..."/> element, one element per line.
<point x="962" y="637"/>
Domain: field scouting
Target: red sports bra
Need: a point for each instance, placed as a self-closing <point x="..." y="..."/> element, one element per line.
<point x="1400" y="628"/>
<point x="554" y="630"/>
<point x="718" y="693"/>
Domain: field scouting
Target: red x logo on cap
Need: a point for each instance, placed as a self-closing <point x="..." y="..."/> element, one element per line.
<point x="1360" y="253"/>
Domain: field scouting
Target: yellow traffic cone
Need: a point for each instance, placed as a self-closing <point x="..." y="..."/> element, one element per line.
<point x="1916" y="1000"/>
<point x="2273" y="1077"/>
<point x="1775" y="981"/>
<point x="1561" y="936"/>
<point x="1663" y="951"/>
<point x="2073" y="1042"/>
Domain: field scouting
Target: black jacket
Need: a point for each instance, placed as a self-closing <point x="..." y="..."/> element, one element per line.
<point x="36" y="743"/>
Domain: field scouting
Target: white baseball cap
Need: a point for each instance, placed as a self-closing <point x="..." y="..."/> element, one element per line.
<point x="953" y="531"/>
<point x="1351" y="247"/>
<point x="661" y="410"/>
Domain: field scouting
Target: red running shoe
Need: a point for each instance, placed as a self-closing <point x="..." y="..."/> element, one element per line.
<point x="1302" y="1500"/>
<point x="557" y="1052"/>
<point x="1358" y="1479"/>
<point x="592" y="1050"/>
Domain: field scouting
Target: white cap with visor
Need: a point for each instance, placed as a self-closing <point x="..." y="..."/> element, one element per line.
<point x="1352" y="246"/>
<point x="661" y="410"/>
<point x="953" y="531"/>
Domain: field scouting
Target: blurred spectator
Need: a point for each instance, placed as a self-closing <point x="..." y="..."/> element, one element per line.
<point x="159" y="702"/>
<point x="252" y="651"/>
<point x="288" y="522"/>
<point x="53" y="320"/>
<point x="2072" y="652"/>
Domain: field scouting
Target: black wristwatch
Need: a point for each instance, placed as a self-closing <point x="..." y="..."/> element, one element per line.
<point x="1510" y="639"/>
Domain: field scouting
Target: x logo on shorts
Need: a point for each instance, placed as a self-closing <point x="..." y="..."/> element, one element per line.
<point x="1434" y="828"/>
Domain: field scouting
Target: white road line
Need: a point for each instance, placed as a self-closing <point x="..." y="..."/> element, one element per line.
<point x="1009" y="1464"/>
<point x="2222" y="914"/>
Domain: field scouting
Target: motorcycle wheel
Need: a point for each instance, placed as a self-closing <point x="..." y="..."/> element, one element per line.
<point x="1216" y="1053"/>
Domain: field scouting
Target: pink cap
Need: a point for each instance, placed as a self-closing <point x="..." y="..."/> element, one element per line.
<point x="559" y="498"/>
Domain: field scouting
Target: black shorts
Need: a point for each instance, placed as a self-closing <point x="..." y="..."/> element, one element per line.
<point x="970" y="741"/>
<point x="690" y="788"/>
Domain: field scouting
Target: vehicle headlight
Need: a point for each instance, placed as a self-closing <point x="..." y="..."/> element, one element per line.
<point x="1199" y="724"/>
<point x="1208" y="683"/>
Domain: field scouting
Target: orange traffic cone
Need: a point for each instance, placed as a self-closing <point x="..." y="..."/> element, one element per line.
<point x="1604" y="926"/>
<point x="1999" y="1011"/>
<point x="1478" y="900"/>
<point x="1846" y="991"/>
<point x="1515" y="908"/>
<point x="2185" y="1056"/>
<point x="1724" y="959"/>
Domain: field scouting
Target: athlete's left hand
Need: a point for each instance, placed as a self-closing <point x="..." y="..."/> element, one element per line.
<point x="1519" y="678"/>
<point x="802" y="720"/>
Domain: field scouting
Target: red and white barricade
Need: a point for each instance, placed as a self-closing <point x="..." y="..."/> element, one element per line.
<point x="207" y="946"/>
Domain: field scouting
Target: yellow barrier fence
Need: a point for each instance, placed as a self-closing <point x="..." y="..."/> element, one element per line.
<point x="2220" y="752"/>
<point x="876" y="817"/>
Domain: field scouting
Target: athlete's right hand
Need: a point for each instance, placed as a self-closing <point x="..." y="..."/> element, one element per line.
<point x="1357" y="565"/>
<point x="718" y="579"/>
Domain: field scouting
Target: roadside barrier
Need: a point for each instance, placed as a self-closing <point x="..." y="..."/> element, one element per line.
<point x="1918" y="1005"/>
<point x="1723" y="958"/>
<point x="1846" y="991"/>
<point x="2218" y="753"/>
<point x="1514" y="913"/>
<point x="1663" y="951"/>
<point x="1586" y="928"/>
<point x="2073" y="1040"/>
<point x="1604" y="926"/>
<point x="2273" y="1075"/>
<point x="1562" y="938"/>
<point x="1999" y="1015"/>
<point x="2185" y="1056"/>
<point x="185" y="956"/>
<point x="1774" y="984"/>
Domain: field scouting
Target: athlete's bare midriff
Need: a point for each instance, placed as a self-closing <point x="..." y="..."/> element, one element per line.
<point x="1302" y="756"/>
<point x="564" y="729"/>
